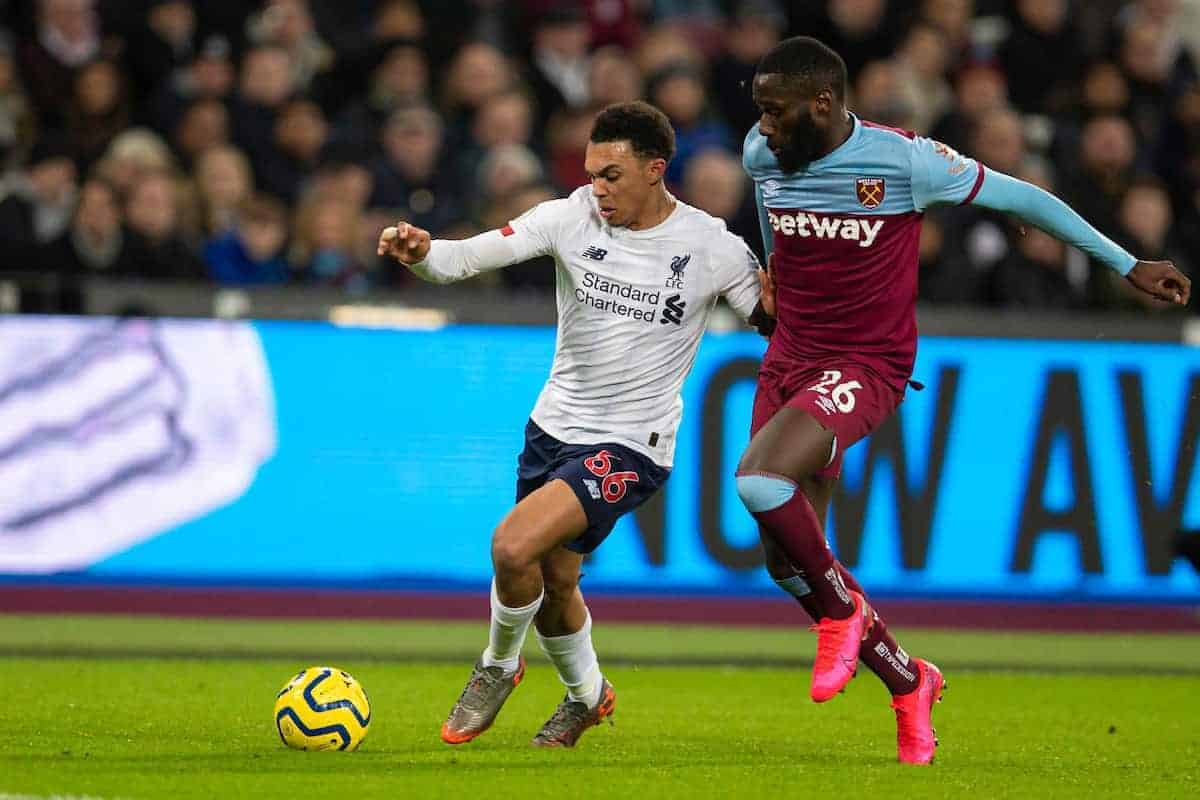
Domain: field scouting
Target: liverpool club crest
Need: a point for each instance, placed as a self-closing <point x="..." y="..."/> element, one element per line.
<point x="870" y="192"/>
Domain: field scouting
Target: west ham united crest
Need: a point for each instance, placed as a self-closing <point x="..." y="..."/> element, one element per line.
<point x="870" y="192"/>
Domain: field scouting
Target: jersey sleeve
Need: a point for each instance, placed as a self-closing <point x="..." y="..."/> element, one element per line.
<point x="735" y="272"/>
<point x="532" y="234"/>
<point x="1038" y="207"/>
<point x="942" y="175"/>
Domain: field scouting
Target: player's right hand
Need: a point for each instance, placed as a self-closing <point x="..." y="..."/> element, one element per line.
<point x="1161" y="280"/>
<point x="766" y="282"/>
<point x="406" y="243"/>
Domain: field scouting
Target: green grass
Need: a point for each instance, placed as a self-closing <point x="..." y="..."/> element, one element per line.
<point x="83" y="713"/>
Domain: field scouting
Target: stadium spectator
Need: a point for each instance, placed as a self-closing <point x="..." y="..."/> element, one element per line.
<point x="38" y="200"/>
<point x="224" y="181"/>
<point x="153" y="213"/>
<point x="953" y="18"/>
<point x="1157" y="72"/>
<point x="507" y="169"/>
<point x="300" y="133"/>
<point x="17" y="121"/>
<point x="252" y="252"/>
<point x="1108" y="151"/>
<point x="662" y="46"/>
<point x="715" y="182"/>
<point x="67" y="37"/>
<point x="95" y="244"/>
<point x="401" y="79"/>
<point x="559" y="67"/>
<point x="99" y="110"/>
<point x="203" y="126"/>
<point x="131" y="155"/>
<point x="264" y="87"/>
<point x="327" y="243"/>
<point x="613" y="77"/>
<point x="210" y="75"/>
<point x="979" y="88"/>
<point x="477" y="73"/>
<point x="679" y="90"/>
<point x="407" y="178"/>
<point x="1040" y="272"/>
<point x="163" y="44"/>
<point x="999" y="141"/>
<point x="287" y="80"/>
<point x="566" y="141"/>
<point x="288" y="24"/>
<point x="861" y="30"/>
<point x="878" y="95"/>
<point x="921" y="63"/>
<point x="1145" y="221"/>
<point x="1042" y="56"/>
<point x="755" y="28"/>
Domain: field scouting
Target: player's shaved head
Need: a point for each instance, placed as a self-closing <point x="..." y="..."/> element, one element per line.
<point x="808" y="62"/>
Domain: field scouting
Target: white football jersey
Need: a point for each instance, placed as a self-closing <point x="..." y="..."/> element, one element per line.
<point x="632" y="306"/>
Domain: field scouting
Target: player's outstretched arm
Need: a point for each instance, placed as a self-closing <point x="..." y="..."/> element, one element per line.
<point x="446" y="261"/>
<point x="1159" y="279"/>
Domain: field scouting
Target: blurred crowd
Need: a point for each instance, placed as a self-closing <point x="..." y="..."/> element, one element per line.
<point x="251" y="143"/>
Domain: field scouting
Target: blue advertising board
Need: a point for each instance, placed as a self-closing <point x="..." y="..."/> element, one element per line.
<point x="305" y="454"/>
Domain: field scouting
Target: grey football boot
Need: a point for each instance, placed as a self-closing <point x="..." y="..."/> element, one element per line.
<point x="572" y="718"/>
<point x="480" y="702"/>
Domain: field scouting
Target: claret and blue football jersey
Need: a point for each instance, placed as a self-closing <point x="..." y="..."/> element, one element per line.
<point x="844" y="233"/>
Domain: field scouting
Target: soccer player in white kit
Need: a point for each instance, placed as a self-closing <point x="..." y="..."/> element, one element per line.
<point x="638" y="273"/>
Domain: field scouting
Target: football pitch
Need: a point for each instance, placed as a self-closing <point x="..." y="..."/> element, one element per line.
<point x="129" y="707"/>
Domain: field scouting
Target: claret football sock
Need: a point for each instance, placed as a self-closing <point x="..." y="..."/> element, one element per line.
<point x="575" y="659"/>
<point x="887" y="659"/>
<point x="507" y="633"/>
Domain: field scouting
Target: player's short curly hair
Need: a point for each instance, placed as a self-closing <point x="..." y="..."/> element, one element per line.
<point x="811" y="60"/>
<point x="646" y="129"/>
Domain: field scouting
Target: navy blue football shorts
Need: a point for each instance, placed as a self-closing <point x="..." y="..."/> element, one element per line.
<point x="610" y="480"/>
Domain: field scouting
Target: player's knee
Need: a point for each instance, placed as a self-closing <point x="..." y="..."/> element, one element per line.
<point x="510" y="553"/>
<point x="762" y="492"/>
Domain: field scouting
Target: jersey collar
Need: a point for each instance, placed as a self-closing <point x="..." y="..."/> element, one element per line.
<point x="836" y="152"/>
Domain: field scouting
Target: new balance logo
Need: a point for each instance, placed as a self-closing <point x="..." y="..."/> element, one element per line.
<point x="674" y="310"/>
<point x="594" y="253"/>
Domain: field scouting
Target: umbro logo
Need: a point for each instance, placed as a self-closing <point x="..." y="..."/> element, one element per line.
<point x="594" y="253"/>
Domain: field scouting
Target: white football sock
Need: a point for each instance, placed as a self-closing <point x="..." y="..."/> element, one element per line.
<point x="507" y="634"/>
<point x="575" y="659"/>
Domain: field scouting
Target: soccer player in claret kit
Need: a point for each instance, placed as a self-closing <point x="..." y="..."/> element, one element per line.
<point x="840" y="200"/>
<point x="637" y="273"/>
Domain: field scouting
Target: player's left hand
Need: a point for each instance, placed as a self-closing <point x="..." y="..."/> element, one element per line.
<point x="1161" y="280"/>
<point x="766" y="281"/>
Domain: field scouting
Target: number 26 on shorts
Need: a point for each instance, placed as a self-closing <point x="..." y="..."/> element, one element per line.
<point x="832" y="386"/>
